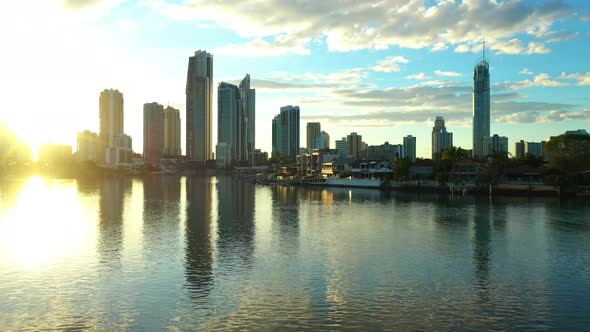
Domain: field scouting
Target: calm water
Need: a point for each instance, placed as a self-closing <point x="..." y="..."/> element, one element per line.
<point x="206" y="253"/>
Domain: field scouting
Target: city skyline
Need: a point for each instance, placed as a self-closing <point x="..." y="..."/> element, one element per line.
<point x="539" y="75"/>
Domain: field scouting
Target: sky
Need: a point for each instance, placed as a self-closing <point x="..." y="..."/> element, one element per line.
<point x="384" y="69"/>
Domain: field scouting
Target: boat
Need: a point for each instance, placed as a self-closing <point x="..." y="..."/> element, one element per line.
<point x="355" y="183"/>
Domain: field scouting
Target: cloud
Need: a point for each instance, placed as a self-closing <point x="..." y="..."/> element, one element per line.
<point x="260" y="47"/>
<point x="447" y="73"/>
<point x="129" y="26"/>
<point x="515" y="46"/>
<point x="93" y="8"/>
<point x="356" y="25"/>
<point x="419" y="76"/>
<point x="525" y="71"/>
<point x="560" y="36"/>
<point x="390" y="64"/>
<point x="582" y="78"/>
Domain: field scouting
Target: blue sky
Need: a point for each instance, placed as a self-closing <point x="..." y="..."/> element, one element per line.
<point x="384" y="69"/>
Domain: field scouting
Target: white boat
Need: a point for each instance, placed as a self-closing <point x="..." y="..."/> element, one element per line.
<point x="352" y="182"/>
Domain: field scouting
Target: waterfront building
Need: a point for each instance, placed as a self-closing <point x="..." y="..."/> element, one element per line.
<point x="495" y="144"/>
<point x="409" y="148"/>
<point x="231" y="122"/>
<point x="172" y="129"/>
<point x="199" y="110"/>
<point x="355" y="145"/>
<point x="313" y="130"/>
<point x="441" y="138"/>
<point x="285" y="131"/>
<point x="248" y="104"/>
<point x="54" y="154"/>
<point x="322" y="141"/>
<point x="153" y="132"/>
<point x="111" y="118"/>
<point x="258" y="158"/>
<point x="121" y="152"/>
<point x="481" y="107"/>
<point x="382" y="152"/>
<point x="86" y="146"/>
<point x="223" y="155"/>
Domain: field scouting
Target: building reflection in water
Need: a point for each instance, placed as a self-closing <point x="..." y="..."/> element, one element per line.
<point x="482" y="254"/>
<point x="87" y="186"/>
<point x="235" y="223"/>
<point x="199" y="251"/>
<point x="112" y="192"/>
<point x="285" y="215"/>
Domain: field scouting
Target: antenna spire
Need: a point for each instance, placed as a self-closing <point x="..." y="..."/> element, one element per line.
<point x="484" y="48"/>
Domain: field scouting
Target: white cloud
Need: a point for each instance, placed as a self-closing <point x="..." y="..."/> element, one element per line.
<point x="526" y="71"/>
<point x="582" y="78"/>
<point x="354" y="25"/>
<point x="447" y="73"/>
<point x="419" y="76"/>
<point x="390" y="64"/>
<point x="129" y="26"/>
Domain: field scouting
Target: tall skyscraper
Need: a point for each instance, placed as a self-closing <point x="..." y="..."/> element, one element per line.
<point x="199" y="111"/>
<point x="285" y="132"/>
<point x="342" y="147"/>
<point x="441" y="139"/>
<point x="248" y="101"/>
<point x="172" y="130"/>
<point x="112" y="120"/>
<point x="231" y="121"/>
<point x="153" y="132"/>
<point x="519" y="149"/>
<point x="495" y="144"/>
<point x="410" y="148"/>
<point x="481" y="106"/>
<point x="313" y="130"/>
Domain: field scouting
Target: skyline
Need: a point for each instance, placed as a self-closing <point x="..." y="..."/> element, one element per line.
<point x="386" y="89"/>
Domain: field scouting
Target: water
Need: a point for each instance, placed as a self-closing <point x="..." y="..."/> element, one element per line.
<point x="206" y="253"/>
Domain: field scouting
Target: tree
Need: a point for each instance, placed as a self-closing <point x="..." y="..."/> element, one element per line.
<point x="569" y="153"/>
<point x="401" y="168"/>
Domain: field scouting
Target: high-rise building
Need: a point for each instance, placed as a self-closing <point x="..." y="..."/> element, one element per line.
<point x="441" y="138"/>
<point x="322" y="141"/>
<point x="153" y="132"/>
<point x="112" y="120"/>
<point x="342" y="147"/>
<point x="248" y="100"/>
<point x="519" y="149"/>
<point x="276" y="136"/>
<point x="355" y="145"/>
<point x="481" y="107"/>
<point x="223" y="155"/>
<point x="199" y="110"/>
<point x="495" y="144"/>
<point x="383" y="152"/>
<point x="410" y="148"/>
<point x="535" y="149"/>
<point x="231" y="121"/>
<point x="313" y="130"/>
<point x="290" y="131"/>
<point x="172" y="130"/>
<point x="121" y="152"/>
<point x="87" y="146"/>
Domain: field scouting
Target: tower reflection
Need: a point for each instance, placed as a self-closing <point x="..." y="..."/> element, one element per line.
<point x="112" y="192"/>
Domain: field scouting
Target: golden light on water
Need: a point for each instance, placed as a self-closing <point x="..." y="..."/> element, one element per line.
<point x="43" y="225"/>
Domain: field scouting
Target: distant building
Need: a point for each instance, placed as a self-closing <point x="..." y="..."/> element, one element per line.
<point x="441" y="139"/>
<point x="86" y="146"/>
<point x="495" y="144"/>
<point x="535" y="149"/>
<point x="519" y="149"/>
<point x="342" y="147"/>
<point x="577" y="132"/>
<point x="382" y="152"/>
<point x="223" y="155"/>
<point x="112" y="119"/>
<point x="258" y="158"/>
<point x="199" y="107"/>
<point x="153" y="132"/>
<point x="313" y="130"/>
<point x="121" y="152"/>
<point x="54" y="154"/>
<point x="172" y="131"/>
<point x="410" y="148"/>
<point x="322" y="141"/>
<point x="481" y="107"/>
<point x="355" y="145"/>
<point x="248" y="103"/>
<point x="285" y="131"/>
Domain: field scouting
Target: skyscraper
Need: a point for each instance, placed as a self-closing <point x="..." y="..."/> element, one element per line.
<point x="441" y="139"/>
<point x="153" y="132"/>
<point x="481" y="106"/>
<point x="285" y="133"/>
<point x="322" y="141"/>
<point x="519" y="149"/>
<point x="313" y="130"/>
<point x="495" y="144"/>
<point x="172" y="132"/>
<point x="342" y="147"/>
<point x="354" y="145"/>
<point x="231" y="121"/>
<point x="410" y="148"/>
<point x="112" y="120"/>
<point x="199" y="98"/>
<point x="86" y="146"/>
<point x="248" y="101"/>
